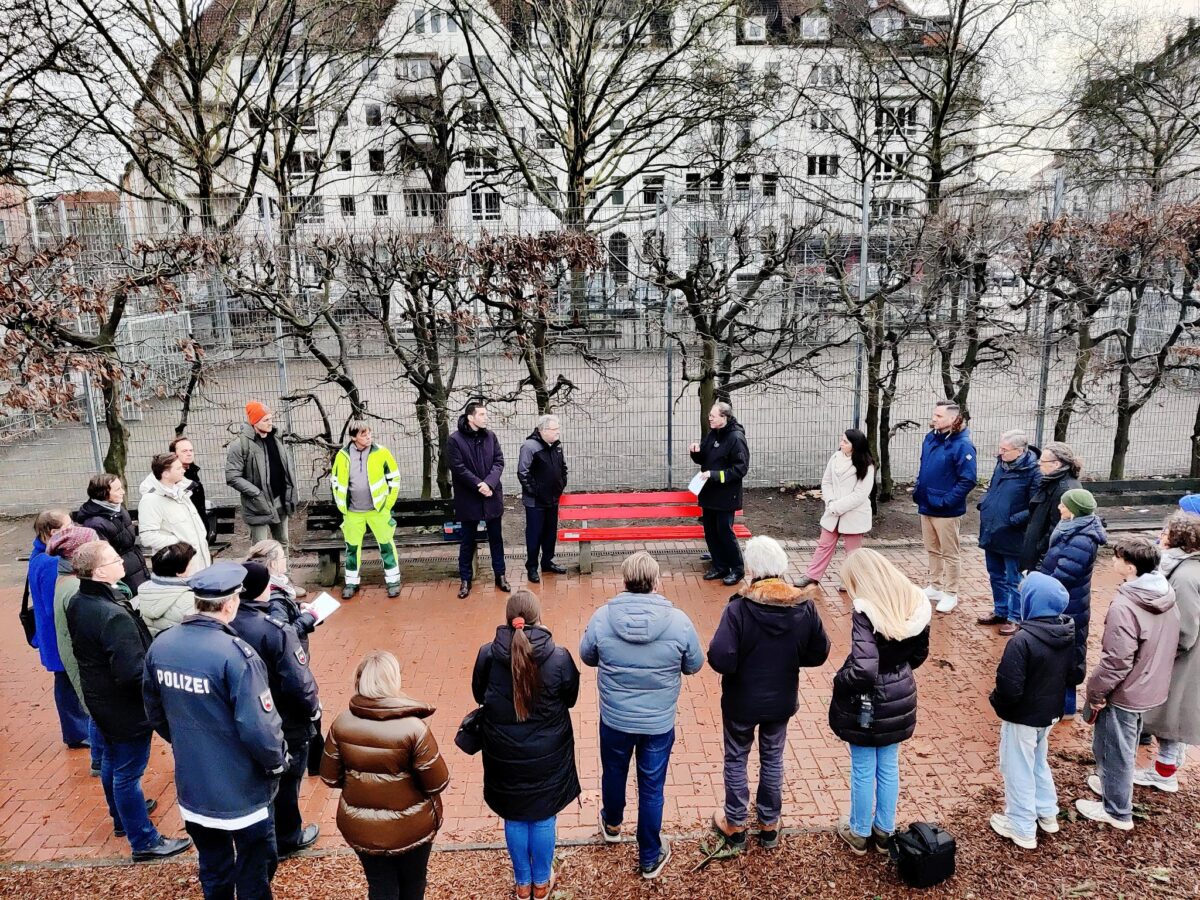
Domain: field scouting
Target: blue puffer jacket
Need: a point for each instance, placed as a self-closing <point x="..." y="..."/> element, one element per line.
<point x="643" y="646"/>
<point x="947" y="474"/>
<point x="1071" y="558"/>
<point x="1004" y="509"/>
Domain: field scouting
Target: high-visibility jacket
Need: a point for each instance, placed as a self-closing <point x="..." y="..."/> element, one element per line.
<point x="382" y="474"/>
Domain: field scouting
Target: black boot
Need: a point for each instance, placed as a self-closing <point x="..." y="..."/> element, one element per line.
<point x="533" y="576"/>
<point x="502" y="583"/>
<point x="349" y="590"/>
<point x="464" y="588"/>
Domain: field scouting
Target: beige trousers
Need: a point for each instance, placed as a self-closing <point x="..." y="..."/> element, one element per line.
<point x="940" y="536"/>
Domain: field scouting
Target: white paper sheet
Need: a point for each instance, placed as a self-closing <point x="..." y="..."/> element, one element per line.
<point x="324" y="606"/>
<point x="697" y="483"/>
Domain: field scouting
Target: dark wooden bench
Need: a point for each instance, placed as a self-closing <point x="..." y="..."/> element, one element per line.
<point x="655" y="506"/>
<point x="418" y="523"/>
<point x="1121" y="502"/>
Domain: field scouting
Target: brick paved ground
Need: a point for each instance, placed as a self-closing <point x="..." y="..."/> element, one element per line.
<point x="51" y="809"/>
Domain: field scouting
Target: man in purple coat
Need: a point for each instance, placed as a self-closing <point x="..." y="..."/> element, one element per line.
<point x="476" y="465"/>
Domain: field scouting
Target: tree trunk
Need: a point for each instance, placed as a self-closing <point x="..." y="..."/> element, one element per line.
<point x="1116" y="471"/>
<point x="871" y="421"/>
<point x="887" y="485"/>
<point x="707" y="393"/>
<point x="425" y="420"/>
<point x="441" y="411"/>
<point x="118" y="435"/>
<point x="1194" y="468"/>
<point x="1083" y="358"/>
<point x="1126" y="409"/>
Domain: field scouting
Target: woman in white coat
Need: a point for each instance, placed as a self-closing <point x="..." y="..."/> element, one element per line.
<point x="166" y="514"/>
<point x="846" y="489"/>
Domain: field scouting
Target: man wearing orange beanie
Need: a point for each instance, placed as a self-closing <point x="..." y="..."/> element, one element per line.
<point x="260" y="468"/>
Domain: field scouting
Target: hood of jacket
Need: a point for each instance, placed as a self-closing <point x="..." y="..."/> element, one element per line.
<point x="1088" y="526"/>
<point x="772" y="602"/>
<point x="1152" y="592"/>
<point x="1172" y="557"/>
<point x="401" y="706"/>
<point x="1042" y="596"/>
<point x="917" y="621"/>
<point x="539" y="638"/>
<point x="639" y="618"/>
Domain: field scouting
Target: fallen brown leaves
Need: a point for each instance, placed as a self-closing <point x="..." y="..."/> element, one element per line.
<point x="1157" y="859"/>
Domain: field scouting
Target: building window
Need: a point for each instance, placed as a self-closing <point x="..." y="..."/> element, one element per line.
<point x="379" y="204"/>
<point x="418" y="204"/>
<point x="618" y="257"/>
<point x="309" y="209"/>
<point x="891" y="209"/>
<point x="741" y="186"/>
<point x="896" y="119"/>
<point x="370" y="69"/>
<point x="754" y="29"/>
<point x="823" y="166"/>
<point x="819" y="120"/>
<point x="414" y="68"/>
<point x="347" y="204"/>
<point x="772" y="79"/>
<point x="544" y="141"/>
<point x="485" y="206"/>
<point x="374" y="115"/>
<point x="618" y="197"/>
<point x="891" y="167"/>
<point x="770" y="186"/>
<point x="344" y="161"/>
<point x="823" y="76"/>
<point x="480" y="160"/>
<point x="716" y="186"/>
<point x="652" y="189"/>
<point x="744" y="134"/>
<point x="304" y="165"/>
<point x="375" y="160"/>
<point x="814" y="28"/>
<point x="691" y="187"/>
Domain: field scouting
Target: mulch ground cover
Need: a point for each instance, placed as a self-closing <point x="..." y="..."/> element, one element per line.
<point x="1159" y="858"/>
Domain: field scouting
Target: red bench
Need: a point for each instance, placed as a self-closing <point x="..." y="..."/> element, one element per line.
<point x="653" y="505"/>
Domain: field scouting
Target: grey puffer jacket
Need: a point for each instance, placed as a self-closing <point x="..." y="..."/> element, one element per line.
<point x="1179" y="718"/>
<point x="248" y="471"/>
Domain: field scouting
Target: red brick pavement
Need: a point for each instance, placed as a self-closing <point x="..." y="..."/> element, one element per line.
<point x="51" y="809"/>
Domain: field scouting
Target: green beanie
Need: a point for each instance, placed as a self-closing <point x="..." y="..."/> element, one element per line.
<point x="1079" y="502"/>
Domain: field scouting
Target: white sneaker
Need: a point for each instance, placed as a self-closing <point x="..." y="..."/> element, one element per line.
<point x="1151" y="778"/>
<point x="1094" y="810"/>
<point x="1093" y="782"/>
<point x="932" y="593"/>
<point x="947" y="603"/>
<point x="1003" y="827"/>
<point x="1049" y="824"/>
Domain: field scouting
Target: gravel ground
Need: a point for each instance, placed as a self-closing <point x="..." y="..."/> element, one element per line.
<point x="1157" y="859"/>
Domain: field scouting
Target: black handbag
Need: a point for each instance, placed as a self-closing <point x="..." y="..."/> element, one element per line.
<point x="470" y="732"/>
<point x="923" y="854"/>
<point x="28" y="620"/>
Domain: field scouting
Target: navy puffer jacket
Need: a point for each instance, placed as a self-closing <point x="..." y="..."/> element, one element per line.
<point x="882" y="668"/>
<point x="1004" y="509"/>
<point x="1071" y="558"/>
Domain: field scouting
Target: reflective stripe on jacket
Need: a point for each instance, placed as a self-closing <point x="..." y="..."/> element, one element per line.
<point x="382" y="474"/>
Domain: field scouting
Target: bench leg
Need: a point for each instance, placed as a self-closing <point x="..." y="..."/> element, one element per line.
<point x="585" y="557"/>
<point x="329" y="564"/>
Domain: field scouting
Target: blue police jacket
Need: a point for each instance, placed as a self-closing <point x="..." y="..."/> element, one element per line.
<point x="206" y="693"/>
<point x="946" y="476"/>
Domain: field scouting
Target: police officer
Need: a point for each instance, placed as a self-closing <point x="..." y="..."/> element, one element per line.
<point x="295" y="693"/>
<point x="206" y="693"/>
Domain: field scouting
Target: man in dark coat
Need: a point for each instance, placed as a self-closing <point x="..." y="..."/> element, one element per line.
<point x="110" y="640"/>
<point x="476" y="465"/>
<point x="542" y="471"/>
<point x="105" y="514"/>
<point x="724" y="459"/>
<point x="1003" y="513"/>
<point x="183" y="448"/>
<point x="1060" y="473"/>
<point x="1031" y="679"/>
<point x="295" y="694"/>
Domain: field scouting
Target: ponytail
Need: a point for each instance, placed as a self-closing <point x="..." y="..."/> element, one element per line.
<point x="523" y="610"/>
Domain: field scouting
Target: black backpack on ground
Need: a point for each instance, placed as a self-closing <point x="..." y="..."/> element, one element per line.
<point x="923" y="854"/>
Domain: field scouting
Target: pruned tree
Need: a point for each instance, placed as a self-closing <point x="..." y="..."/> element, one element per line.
<point x="60" y="319"/>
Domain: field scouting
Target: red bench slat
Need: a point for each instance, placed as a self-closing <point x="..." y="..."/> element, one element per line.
<point x="644" y="498"/>
<point x="632" y="512"/>
<point x="642" y="533"/>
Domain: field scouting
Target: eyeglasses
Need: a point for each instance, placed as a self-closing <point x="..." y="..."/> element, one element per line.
<point x="111" y="562"/>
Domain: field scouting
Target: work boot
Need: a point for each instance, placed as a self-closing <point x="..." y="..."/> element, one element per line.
<point x="393" y="590"/>
<point x="348" y="591"/>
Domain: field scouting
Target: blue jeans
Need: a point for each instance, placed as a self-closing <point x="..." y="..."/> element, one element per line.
<point x="1115" y="743"/>
<point x="1029" y="792"/>
<point x="1005" y="575"/>
<point x="121" y="773"/>
<point x="653" y="753"/>
<point x="531" y="846"/>
<point x="874" y="788"/>
<point x="72" y="719"/>
<point x="99" y="750"/>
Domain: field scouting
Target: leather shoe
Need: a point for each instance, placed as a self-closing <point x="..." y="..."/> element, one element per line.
<point x="533" y="575"/>
<point x="308" y="837"/>
<point x="555" y="568"/>
<point x="393" y="590"/>
<point x="463" y="589"/>
<point x="991" y="620"/>
<point x="151" y="806"/>
<point x="706" y="556"/>
<point x="166" y="847"/>
<point x="502" y="583"/>
<point x="349" y="590"/>
<point x="732" y="578"/>
<point x="713" y="575"/>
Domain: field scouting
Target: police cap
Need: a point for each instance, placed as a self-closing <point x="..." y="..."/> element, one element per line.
<point x="217" y="581"/>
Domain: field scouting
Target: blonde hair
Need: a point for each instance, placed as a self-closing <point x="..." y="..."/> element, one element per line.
<point x="377" y="676"/>
<point x="268" y="552"/>
<point x="640" y="571"/>
<point x="874" y="581"/>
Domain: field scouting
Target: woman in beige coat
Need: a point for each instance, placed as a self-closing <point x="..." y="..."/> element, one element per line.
<point x="846" y="489"/>
<point x="166" y="514"/>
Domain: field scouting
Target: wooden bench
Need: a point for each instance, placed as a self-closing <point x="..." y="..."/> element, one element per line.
<point x="418" y="523"/>
<point x="1159" y="496"/>
<point x="657" y="506"/>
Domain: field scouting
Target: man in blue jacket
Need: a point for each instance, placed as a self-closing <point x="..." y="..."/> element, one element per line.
<point x="946" y="477"/>
<point x="1003" y="516"/>
<point x="643" y="646"/>
<point x="206" y="692"/>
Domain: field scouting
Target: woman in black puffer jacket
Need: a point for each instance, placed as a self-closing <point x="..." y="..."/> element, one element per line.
<point x="104" y="514"/>
<point x="874" y="705"/>
<point x="527" y="687"/>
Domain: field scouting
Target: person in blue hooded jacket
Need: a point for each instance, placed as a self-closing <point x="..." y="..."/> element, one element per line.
<point x="1071" y="558"/>
<point x="1003" y="515"/>
<point x="946" y="476"/>
<point x="1037" y="665"/>
<point x="643" y="646"/>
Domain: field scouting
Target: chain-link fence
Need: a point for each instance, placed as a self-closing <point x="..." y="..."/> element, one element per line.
<point x="622" y="342"/>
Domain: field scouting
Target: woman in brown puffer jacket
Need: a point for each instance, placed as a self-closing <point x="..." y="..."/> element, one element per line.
<point x="382" y="755"/>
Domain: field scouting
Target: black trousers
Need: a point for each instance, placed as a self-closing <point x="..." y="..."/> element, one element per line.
<point x="288" y="823"/>
<point x="541" y="534"/>
<point x="238" y="863"/>
<point x="466" y="546"/>
<point x="718" y="535"/>
<point x="398" y="877"/>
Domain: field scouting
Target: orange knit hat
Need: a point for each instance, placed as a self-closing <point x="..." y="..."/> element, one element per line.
<point x="255" y="412"/>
